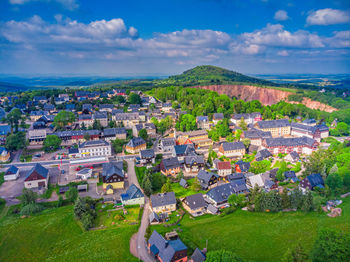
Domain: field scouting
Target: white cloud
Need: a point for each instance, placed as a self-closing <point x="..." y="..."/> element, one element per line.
<point x="283" y="53"/>
<point x="281" y="15"/>
<point x="328" y="16"/>
<point x="68" y="4"/>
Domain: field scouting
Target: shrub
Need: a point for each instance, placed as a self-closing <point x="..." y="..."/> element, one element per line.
<point x="30" y="209"/>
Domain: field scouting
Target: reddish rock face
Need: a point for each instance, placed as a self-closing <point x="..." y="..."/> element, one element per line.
<point x="267" y="96"/>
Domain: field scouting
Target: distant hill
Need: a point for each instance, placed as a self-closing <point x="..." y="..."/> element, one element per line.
<point x="10" y="87"/>
<point x="211" y="75"/>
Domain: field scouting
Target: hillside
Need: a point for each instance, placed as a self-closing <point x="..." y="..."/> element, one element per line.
<point x="211" y="75"/>
<point x="10" y="87"/>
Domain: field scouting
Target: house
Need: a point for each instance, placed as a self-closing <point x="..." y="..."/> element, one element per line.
<point x="234" y="176"/>
<point x="203" y="122"/>
<point x="154" y="218"/>
<point x="150" y="128"/>
<point x="232" y="149"/>
<point x="166" y="250"/>
<point x="167" y="144"/>
<point x="302" y="145"/>
<point x="85" y="120"/>
<point x="36" y="136"/>
<point x="106" y="108"/>
<point x="101" y="117"/>
<point x="147" y="156"/>
<point x="133" y="196"/>
<point x="84" y="173"/>
<point x="170" y="166"/>
<point x="195" y="204"/>
<point x="127" y="119"/>
<point x="242" y="167"/>
<point x="290" y="175"/>
<point x="163" y="202"/>
<point x="35" y="115"/>
<point x="87" y="109"/>
<point x="113" y="177"/>
<point x="114" y="133"/>
<point x="211" y="209"/>
<point x="292" y="157"/>
<point x="37" y="177"/>
<point x="40" y="99"/>
<point x="277" y="128"/>
<point x="135" y="145"/>
<point x="316" y="132"/>
<point x="219" y="195"/>
<point x="224" y="168"/>
<point x="310" y="122"/>
<point x="93" y="148"/>
<point x="207" y="179"/>
<point x="197" y="137"/>
<point x="312" y="181"/>
<point x="181" y="151"/>
<point x="198" y="256"/>
<point x="260" y="180"/>
<point x="77" y="136"/>
<point x="4" y="154"/>
<point x="12" y="173"/>
<point x="49" y="108"/>
<point x="262" y="154"/>
<point x="166" y="107"/>
<point x="193" y="163"/>
<point x="256" y="136"/>
<point x="218" y="117"/>
<point x="249" y="118"/>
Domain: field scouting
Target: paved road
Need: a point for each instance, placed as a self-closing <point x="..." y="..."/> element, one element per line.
<point x="138" y="242"/>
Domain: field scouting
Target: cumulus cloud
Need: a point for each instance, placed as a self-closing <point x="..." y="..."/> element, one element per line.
<point x="281" y="15"/>
<point x="283" y="53"/>
<point x="328" y="16"/>
<point x="68" y="4"/>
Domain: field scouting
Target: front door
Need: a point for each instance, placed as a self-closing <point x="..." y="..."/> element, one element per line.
<point x="42" y="184"/>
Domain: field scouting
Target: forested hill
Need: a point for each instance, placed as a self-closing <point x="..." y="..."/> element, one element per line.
<point x="212" y="75"/>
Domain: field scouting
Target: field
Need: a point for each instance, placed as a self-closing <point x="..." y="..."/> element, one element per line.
<point x="55" y="235"/>
<point x="181" y="192"/>
<point x="257" y="236"/>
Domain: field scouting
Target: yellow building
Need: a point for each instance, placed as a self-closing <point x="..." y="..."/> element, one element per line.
<point x="277" y="128"/>
<point x="113" y="177"/>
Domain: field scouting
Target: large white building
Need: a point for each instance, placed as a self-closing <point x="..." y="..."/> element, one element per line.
<point x="95" y="148"/>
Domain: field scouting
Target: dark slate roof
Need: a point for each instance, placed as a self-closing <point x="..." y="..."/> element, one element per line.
<point x="153" y="216"/>
<point x="93" y="143"/>
<point x="109" y="169"/>
<point x="100" y="115"/>
<point x="136" y="141"/>
<point x="168" y="142"/>
<point x="147" y="153"/>
<point x="235" y="176"/>
<point x="290" y="141"/>
<point x="294" y="155"/>
<point x="273" y="123"/>
<point x="114" y="131"/>
<point x="183" y="182"/>
<point x="198" y="256"/>
<point x="195" y="201"/>
<point x="256" y="134"/>
<point x="170" y="163"/>
<point x="5" y="129"/>
<point x="218" y="116"/>
<point x="11" y="170"/>
<point x="221" y="193"/>
<point x="204" y="176"/>
<point x="309" y="129"/>
<point x="190" y="160"/>
<point x="289" y="174"/>
<point x="228" y="146"/>
<point x="309" y="121"/>
<point x="202" y="119"/>
<point x="315" y="180"/>
<point x="184" y="149"/>
<point x="106" y="106"/>
<point x="262" y="154"/>
<point x="38" y="168"/>
<point x="73" y="150"/>
<point x="133" y="192"/>
<point x="244" y="166"/>
<point x="85" y="117"/>
<point x="239" y="185"/>
<point x="163" y="199"/>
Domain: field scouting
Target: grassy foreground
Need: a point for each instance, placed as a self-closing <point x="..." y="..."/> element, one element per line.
<point x="257" y="236"/>
<point x="55" y="235"/>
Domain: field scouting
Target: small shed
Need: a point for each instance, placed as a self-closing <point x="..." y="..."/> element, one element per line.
<point x="183" y="183"/>
<point x="82" y="188"/>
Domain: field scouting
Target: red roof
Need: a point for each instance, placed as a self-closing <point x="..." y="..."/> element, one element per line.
<point x="224" y="165"/>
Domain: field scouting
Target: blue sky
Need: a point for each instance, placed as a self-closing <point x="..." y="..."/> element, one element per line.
<point x="117" y="38"/>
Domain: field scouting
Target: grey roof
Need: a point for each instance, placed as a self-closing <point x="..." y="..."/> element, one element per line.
<point x="170" y="163"/>
<point x="256" y="134"/>
<point x="204" y="176"/>
<point x="73" y="150"/>
<point x="309" y="121"/>
<point x="168" y="142"/>
<point x="127" y="116"/>
<point x="11" y="170"/>
<point x="294" y="155"/>
<point x="136" y="141"/>
<point x="153" y="216"/>
<point x="289" y="174"/>
<point x="190" y="160"/>
<point x="262" y="154"/>
<point x="106" y="106"/>
<point x="186" y="149"/>
<point x="221" y="193"/>
<point x="100" y="115"/>
<point x="76" y="133"/>
<point x="93" y="143"/>
<point x="315" y="180"/>
<point x="212" y="209"/>
<point x="183" y="182"/>
<point x="228" y="146"/>
<point x="294" y="141"/>
<point x="309" y="129"/>
<point x="202" y="119"/>
<point x="163" y="199"/>
<point x="132" y="192"/>
<point x="85" y="117"/>
<point x="147" y="126"/>
<point x="198" y="256"/>
<point x="38" y="168"/>
<point x="109" y="169"/>
<point x="114" y="131"/>
<point x="218" y="116"/>
<point x="273" y="123"/>
<point x="147" y="153"/>
<point x="244" y="166"/>
<point x="195" y="201"/>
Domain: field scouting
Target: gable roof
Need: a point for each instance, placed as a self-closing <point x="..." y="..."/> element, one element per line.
<point x="290" y="141"/>
<point x="204" y="176"/>
<point x="190" y="160"/>
<point x="198" y="256"/>
<point x="229" y="146"/>
<point x="222" y="165"/>
<point x="273" y="123"/>
<point x="39" y="169"/>
<point x="109" y="169"/>
<point x="315" y="180"/>
<point x="183" y="182"/>
<point x="195" y="201"/>
<point x="243" y="166"/>
<point x="132" y="192"/>
<point x="221" y="193"/>
<point x="159" y="200"/>
<point x="147" y="153"/>
<point x="11" y="170"/>
<point x="170" y="163"/>
<point x="136" y="141"/>
<point x="262" y="154"/>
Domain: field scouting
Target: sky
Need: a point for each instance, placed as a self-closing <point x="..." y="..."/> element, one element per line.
<point x="166" y="37"/>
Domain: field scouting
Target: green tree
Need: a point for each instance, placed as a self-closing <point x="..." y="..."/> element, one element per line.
<point x="196" y="186"/>
<point x="147" y="186"/>
<point x="258" y="167"/>
<point x="60" y="201"/>
<point x="143" y="134"/>
<point x="28" y="197"/>
<point x="134" y="98"/>
<point x="238" y="134"/>
<point x="237" y="201"/>
<point x="335" y="183"/>
<point x="346" y="180"/>
<point x="222" y="256"/>
<point x="243" y="124"/>
<point x="166" y="187"/>
<point x="295" y="255"/>
<point x="52" y="143"/>
<point x="285" y="199"/>
<point x="72" y="194"/>
<point x="187" y="122"/>
<point x="63" y="118"/>
<point x="13" y="119"/>
<point x="112" y="124"/>
<point x="16" y="141"/>
<point x="223" y="128"/>
<point x="331" y="246"/>
<point x="96" y="125"/>
<point x="179" y="176"/>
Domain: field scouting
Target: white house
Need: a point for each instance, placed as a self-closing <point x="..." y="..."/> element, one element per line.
<point x="11" y="174"/>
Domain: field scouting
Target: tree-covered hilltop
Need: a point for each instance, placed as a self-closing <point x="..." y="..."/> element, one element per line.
<point x="211" y="75"/>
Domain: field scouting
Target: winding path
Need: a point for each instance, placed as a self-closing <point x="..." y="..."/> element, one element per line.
<point x="138" y="245"/>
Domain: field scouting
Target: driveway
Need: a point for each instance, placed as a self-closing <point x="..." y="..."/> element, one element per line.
<point x="10" y="190"/>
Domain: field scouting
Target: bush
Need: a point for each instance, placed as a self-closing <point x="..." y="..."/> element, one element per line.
<point x="31" y="209"/>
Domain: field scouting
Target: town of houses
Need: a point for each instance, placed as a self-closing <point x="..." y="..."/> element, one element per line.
<point x="87" y="154"/>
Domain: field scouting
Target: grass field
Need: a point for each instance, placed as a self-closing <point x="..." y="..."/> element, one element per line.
<point x="257" y="236"/>
<point x="181" y="192"/>
<point x="55" y="235"/>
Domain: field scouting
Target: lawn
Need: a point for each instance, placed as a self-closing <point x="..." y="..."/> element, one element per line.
<point x="116" y="218"/>
<point x="181" y="192"/>
<point x="257" y="236"/>
<point x="55" y="235"/>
